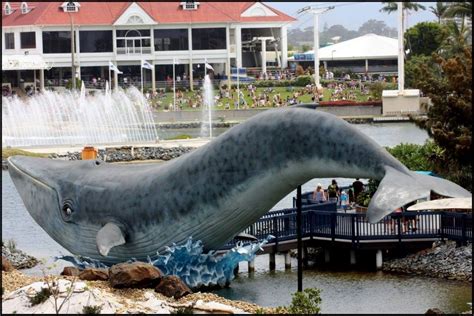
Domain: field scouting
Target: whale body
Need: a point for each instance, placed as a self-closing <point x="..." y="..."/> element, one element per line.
<point x="114" y="212"/>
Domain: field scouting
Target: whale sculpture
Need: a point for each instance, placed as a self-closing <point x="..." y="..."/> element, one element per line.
<point x="114" y="212"/>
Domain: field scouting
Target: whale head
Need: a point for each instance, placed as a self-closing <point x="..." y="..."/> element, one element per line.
<point x="49" y="199"/>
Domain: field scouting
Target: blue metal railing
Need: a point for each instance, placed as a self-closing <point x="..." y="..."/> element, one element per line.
<point x="322" y="220"/>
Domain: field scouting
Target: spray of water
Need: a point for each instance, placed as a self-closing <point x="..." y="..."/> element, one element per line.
<point x="74" y="118"/>
<point x="208" y="98"/>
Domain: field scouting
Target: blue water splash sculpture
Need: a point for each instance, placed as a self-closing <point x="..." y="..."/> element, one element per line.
<point x="188" y="261"/>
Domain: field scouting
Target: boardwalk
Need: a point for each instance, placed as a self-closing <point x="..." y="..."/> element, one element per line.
<point x="323" y="222"/>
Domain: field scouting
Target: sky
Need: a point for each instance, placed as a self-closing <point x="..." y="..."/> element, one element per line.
<point x="351" y="15"/>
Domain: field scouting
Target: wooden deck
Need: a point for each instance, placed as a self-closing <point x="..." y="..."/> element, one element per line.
<point x="323" y="223"/>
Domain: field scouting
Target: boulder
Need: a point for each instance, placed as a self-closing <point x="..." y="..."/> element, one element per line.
<point x="92" y="274"/>
<point x="72" y="271"/>
<point x="134" y="275"/>
<point x="6" y="265"/>
<point x="434" y="311"/>
<point x="173" y="286"/>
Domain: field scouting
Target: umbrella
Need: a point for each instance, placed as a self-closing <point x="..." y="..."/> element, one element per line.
<point x="442" y="204"/>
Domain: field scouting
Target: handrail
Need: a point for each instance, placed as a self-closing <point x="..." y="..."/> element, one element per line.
<point x="355" y="226"/>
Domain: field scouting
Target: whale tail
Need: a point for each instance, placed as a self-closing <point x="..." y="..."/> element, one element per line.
<point x="399" y="188"/>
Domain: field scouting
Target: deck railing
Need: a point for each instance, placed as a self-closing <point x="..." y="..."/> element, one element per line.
<point x="355" y="227"/>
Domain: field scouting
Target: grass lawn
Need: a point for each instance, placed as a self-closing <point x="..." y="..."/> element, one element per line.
<point x="7" y="152"/>
<point x="220" y="105"/>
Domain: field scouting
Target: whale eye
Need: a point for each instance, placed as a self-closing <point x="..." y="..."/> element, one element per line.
<point x="67" y="211"/>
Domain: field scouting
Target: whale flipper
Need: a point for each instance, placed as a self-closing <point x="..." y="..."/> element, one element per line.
<point x="398" y="189"/>
<point x="108" y="237"/>
<point x="442" y="186"/>
<point x="395" y="190"/>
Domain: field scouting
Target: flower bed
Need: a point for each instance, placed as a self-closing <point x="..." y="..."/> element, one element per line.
<point x="349" y="102"/>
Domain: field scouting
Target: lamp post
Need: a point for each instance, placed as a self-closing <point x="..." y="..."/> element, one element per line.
<point x="316" y="13"/>
<point x="401" y="51"/>
<point x="73" y="67"/>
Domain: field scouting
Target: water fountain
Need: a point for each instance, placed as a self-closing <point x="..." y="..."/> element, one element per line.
<point x="74" y="118"/>
<point x="208" y="102"/>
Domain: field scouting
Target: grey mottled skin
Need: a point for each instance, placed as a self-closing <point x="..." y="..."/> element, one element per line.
<point x="212" y="193"/>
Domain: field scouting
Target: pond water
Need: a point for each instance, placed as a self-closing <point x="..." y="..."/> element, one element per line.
<point x="342" y="291"/>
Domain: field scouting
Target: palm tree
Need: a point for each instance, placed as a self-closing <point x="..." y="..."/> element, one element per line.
<point x="408" y="5"/>
<point x="457" y="39"/>
<point x="439" y="10"/>
<point x="461" y="8"/>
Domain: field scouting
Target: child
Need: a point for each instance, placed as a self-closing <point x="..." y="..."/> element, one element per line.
<point x="344" y="200"/>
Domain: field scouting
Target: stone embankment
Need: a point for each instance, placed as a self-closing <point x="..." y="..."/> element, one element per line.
<point x="17" y="258"/>
<point x="178" y="125"/>
<point x="443" y="260"/>
<point x="130" y="153"/>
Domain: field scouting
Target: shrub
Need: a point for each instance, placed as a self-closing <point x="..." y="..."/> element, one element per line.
<point x="91" y="309"/>
<point x="11" y="245"/>
<point x="306" y="302"/>
<point x="376" y="89"/>
<point x="183" y="310"/>
<point x="302" y="81"/>
<point x="40" y="297"/>
<point x="78" y="84"/>
<point x="417" y="157"/>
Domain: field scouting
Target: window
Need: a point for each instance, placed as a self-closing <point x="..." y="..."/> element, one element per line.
<point x="189" y="5"/>
<point x="95" y="41"/>
<point x="171" y="39"/>
<point x="133" y="41"/>
<point x="209" y="38"/>
<point x="28" y="40"/>
<point x="56" y="42"/>
<point x="133" y="33"/>
<point x="70" y="6"/>
<point x="9" y="41"/>
<point x="24" y="8"/>
<point x="135" y="19"/>
<point x="8" y="8"/>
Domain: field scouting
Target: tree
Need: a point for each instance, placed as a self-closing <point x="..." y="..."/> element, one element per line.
<point x="439" y="10"/>
<point x="456" y="40"/>
<point x="305" y="48"/>
<point x="460" y="8"/>
<point x="407" y="6"/>
<point x="449" y="119"/>
<point x="425" y="38"/>
<point x="376" y="27"/>
<point x="413" y="66"/>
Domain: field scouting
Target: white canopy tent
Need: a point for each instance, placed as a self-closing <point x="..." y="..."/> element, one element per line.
<point x="443" y="204"/>
<point x="24" y="62"/>
<point x="369" y="46"/>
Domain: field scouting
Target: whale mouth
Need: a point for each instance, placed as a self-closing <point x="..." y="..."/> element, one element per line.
<point x="25" y="168"/>
<point x="39" y="196"/>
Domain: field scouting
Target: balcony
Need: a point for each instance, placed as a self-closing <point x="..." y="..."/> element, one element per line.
<point x="133" y="50"/>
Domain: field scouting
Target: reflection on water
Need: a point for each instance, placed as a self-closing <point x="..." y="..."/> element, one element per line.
<point x="342" y="292"/>
<point x="350" y="291"/>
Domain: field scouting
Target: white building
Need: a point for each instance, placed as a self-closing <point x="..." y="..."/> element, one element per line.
<point x="369" y="53"/>
<point x="227" y="34"/>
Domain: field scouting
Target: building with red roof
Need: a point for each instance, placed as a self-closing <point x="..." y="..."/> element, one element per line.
<point x="124" y="34"/>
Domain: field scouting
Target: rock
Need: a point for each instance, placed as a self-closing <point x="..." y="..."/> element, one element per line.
<point x="132" y="275"/>
<point x="18" y="258"/>
<point x="6" y="265"/>
<point x="173" y="286"/>
<point x="92" y="274"/>
<point x="434" y="311"/>
<point x="72" y="271"/>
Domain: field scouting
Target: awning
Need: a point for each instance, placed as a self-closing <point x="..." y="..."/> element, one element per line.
<point x="443" y="204"/>
<point x="24" y="62"/>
